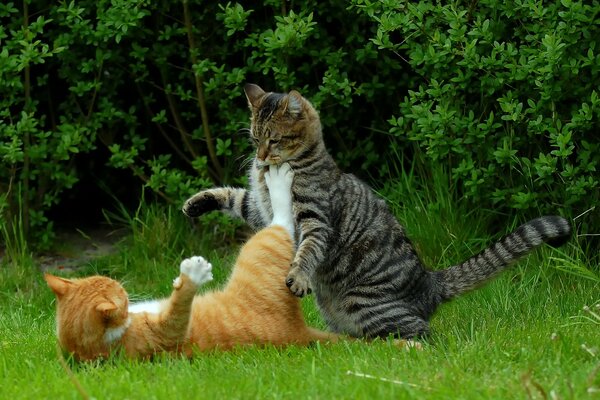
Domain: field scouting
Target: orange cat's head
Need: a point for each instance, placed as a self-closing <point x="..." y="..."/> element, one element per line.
<point x="283" y="126"/>
<point x="91" y="314"/>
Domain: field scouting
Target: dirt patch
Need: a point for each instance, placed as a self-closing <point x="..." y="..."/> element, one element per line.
<point x="75" y="247"/>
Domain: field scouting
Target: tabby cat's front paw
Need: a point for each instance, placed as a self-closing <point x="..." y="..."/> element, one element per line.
<point x="200" y="203"/>
<point x="298" y="282"/>
<point x="197" y="269"/>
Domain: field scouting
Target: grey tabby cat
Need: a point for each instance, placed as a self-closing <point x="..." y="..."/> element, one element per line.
<point x="352" y="252"/>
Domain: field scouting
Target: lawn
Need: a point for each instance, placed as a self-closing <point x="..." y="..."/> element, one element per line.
<point x="524" y="335"/>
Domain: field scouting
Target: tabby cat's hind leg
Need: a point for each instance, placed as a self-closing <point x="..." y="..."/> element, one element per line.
<point x="407" y="326"/>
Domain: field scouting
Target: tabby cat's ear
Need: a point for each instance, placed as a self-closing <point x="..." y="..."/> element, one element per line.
<point x="106" y="308"/>
<point x="253" y="93"/>
<point x="59" y="286"/>
<point x="294" y="103"/>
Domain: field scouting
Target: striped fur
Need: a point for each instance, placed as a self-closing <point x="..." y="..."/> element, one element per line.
<point x="352" y="252"/>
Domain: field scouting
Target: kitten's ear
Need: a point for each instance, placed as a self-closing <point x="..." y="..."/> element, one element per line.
<point x="59" y="286"/>
<point x="253" y="93"/>
<point x="106" y="308"/>
<point x="294" y="103"/>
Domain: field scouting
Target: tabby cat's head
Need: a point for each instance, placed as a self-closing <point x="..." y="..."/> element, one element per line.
<point x="91" y="313"/>
<point x="283" y="126"/>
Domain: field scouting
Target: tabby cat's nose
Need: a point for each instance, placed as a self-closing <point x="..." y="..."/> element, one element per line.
<point x="261" y="154"/>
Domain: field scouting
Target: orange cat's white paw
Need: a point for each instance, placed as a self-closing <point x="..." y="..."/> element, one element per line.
<point x="279" y="181"/>
<point x="197" y="269"/>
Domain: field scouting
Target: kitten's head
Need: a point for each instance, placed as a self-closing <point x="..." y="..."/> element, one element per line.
<point x="283" y="126"/>
<point x="91" y="314"/>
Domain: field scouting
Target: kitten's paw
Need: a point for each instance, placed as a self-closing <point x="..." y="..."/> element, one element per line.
<point x="200" y="203"/>
<point x="298" y="283"/>
<point x="197" y="269"/>
<point x="279" y="177"/>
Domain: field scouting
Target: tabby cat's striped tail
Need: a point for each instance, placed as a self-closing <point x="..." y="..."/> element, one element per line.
<point x="470" y="274"/>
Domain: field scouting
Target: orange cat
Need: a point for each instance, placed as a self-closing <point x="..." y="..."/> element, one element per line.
<point x="94" y="316"/>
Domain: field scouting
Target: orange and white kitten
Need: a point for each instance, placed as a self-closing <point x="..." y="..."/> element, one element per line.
<point x="94" y="316"/>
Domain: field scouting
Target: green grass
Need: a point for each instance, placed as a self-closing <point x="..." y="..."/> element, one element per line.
<point x="524" y="335"/>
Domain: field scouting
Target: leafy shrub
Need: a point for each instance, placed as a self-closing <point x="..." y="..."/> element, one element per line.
<point x="159" y="86"/>
<point x="504" y="94"/>
<point x="501" y="94"/>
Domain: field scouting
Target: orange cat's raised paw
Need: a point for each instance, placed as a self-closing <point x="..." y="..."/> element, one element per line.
<point x="197" y="269"/>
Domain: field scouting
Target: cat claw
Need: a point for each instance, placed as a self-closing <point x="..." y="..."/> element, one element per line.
<point x="197" y="269"/>
<point x="298" y="284"/>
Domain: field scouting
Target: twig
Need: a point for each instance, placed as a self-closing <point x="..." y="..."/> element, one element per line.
<point x="26" y="134"/>
<point x="585" y="212"/>
<point x="175" y="148"/>
<point x="70" y="374"/>
<point x="471" y="8"/>
<point x="526" y="381"/>
<point x="592" y="313"/>
<point x="175" y="114"/>
<point x="397" y="382"/>
<point x="141" y="175"/>
<point x="93" y="100"/>
<point x="146" y="180"/>
<point x="200" y="93"/>
<point x="589" y="350"/>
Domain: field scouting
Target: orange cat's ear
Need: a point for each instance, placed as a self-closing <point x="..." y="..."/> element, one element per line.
<point x="106" y="308"/>
<point x="253" y="93"/>
<point x="59" y="286"/>
<point x="294" y="103"/>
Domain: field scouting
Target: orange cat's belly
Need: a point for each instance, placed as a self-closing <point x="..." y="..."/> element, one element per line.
<point x="220" y="321"/>
<point x="255" y="307"/>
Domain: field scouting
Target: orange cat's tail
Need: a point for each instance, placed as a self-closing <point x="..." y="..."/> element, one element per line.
<point x="322" y="336"/>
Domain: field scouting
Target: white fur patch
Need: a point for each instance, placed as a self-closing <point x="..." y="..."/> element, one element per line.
<point x="279" y="181"/>
<point x="113" y="334"/>
<point x="197" y="269"/>
<point x="151" y="306"/>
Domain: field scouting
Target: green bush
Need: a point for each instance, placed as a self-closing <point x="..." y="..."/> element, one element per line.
<point x="159" y="86"/>
<point x="502" y="94"/>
